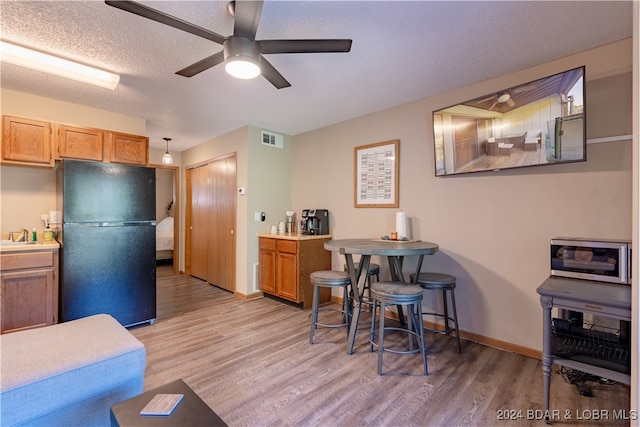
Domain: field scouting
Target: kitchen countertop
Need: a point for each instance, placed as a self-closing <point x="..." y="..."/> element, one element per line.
<point x="294" y="236"/>
<point x="39" y="246"/>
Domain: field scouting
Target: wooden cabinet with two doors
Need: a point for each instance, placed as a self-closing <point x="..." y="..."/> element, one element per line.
<point x="41" y="143"/>
<point x="29" y="289"/>
<point x="286" y="265"/>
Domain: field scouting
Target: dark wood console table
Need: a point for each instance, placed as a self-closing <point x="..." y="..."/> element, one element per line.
<point x="585" y="296"/>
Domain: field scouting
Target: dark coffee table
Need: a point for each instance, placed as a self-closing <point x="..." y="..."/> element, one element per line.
<point x="191" y="411"/>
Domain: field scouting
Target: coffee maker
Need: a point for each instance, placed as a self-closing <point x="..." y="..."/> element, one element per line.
<point x="315" y="221"/>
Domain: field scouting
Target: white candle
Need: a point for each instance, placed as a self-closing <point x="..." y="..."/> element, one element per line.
<point x="401" y="224"/>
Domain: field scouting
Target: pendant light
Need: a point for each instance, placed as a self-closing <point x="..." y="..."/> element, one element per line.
<point x="167" y="159"/>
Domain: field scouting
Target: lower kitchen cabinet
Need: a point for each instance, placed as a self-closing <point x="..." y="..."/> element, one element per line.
<point x="287" y="263"/>
<point x="29" y="289"/>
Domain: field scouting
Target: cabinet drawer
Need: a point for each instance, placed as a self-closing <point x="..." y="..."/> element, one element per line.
<point x="15" y="261"/>
<point x="288" y="246"/>
<point x="268" y="244"/>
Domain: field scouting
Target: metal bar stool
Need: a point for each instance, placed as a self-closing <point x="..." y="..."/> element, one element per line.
<point x="444" y="283"/>
<point x="398" y="293"/>
<point x="373" y="270"/>
<point x="330" y="279"/>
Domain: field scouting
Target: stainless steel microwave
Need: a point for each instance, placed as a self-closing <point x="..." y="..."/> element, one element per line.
<point x="601" y="260"/>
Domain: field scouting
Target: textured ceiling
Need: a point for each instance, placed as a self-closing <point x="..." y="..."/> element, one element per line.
<point x="402" y="51"/>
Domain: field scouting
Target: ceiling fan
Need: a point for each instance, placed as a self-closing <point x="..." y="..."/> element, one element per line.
<point x="241" y="51"/>
<point x="506" y="96"/>
<point x="501" y="99"/>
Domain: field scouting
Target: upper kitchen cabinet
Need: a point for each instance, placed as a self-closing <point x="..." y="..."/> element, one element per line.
<point x="26" y="141"/>
<point x="80" y="143"/>
<point x="129" y="149"/>
<point x="30" y="142"/>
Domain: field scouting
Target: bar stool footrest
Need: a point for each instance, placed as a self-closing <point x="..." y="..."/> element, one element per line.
<point x="372" y="340"/>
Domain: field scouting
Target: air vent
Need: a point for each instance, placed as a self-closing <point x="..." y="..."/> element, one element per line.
<point x="272" y="139"/>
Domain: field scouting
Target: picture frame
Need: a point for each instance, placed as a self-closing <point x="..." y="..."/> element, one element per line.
<point x="376" y="175"/>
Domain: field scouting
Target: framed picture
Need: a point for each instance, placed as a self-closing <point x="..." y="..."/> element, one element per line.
<point x="376" y="175"/>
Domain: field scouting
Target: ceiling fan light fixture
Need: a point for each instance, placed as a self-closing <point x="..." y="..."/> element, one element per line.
<point x="40" y="61"/>
<point x="242" y="57"/>
<point x="242" y="67"/>
<point x="504" y="97"/>
<point x="166" y="158"/>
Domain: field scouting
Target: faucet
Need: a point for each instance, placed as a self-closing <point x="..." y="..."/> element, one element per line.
<point x="11" y="236"/>
<point x="25" y="235"/>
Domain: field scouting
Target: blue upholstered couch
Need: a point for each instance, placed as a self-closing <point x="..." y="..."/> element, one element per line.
<point x="69" y="374"/>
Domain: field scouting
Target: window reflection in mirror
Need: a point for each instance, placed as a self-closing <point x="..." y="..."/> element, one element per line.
<point x="537" y="123"/>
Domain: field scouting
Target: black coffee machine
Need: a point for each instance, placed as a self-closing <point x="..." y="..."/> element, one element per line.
<point x="315" y="221"/>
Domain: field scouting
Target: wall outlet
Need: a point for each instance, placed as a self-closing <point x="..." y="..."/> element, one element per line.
<point x="256" y="216"/>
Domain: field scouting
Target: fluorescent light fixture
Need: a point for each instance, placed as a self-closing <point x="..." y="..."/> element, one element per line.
<point x="241" y="68"/>
<point x="44" y="62"/>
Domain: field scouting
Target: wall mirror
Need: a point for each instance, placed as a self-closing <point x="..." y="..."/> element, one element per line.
<point x="541" y="122"/>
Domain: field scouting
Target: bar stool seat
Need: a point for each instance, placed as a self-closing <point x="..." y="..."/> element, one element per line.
<point x="330" y="279"/>
<point x="398" y="293"/>
<point x="445" y="283"/>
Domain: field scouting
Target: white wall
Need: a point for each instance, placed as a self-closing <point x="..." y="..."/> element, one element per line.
<point x="268" y="191"/>
<point x="493" y="228"/>
<point x="164" y="192"/>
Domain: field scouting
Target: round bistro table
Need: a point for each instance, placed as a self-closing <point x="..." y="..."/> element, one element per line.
<point x="395" y="251"/>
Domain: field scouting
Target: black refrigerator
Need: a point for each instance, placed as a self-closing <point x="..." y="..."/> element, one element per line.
<point x="108" y="241"/>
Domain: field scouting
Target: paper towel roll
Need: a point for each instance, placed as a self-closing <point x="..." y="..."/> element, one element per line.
<point x="401" y="224"/>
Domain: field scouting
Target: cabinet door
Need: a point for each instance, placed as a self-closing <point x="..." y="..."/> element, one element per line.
<point x="267" y="270"/>
<point x="80" y="143"/>
<point x="26" y="141"/>
<point x="129" y="149"/>
<point x="27" y="300"/>
<point x="287" y="276"/>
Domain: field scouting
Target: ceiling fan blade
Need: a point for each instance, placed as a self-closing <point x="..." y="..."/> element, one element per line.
<point x="479" y="101"/>
<point x="163" y="18"/>
<point x="511" y="102"/>
<point x="247" y="16"/>
<point x="272" y="75"/>
<point x="493" y="105"/>
<point x="305" y="46"/>
<point x="202" y="65"/>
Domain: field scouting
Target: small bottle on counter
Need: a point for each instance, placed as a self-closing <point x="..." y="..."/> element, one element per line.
<point x="34" y="235"/>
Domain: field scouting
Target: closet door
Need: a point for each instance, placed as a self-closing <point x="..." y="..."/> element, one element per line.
<point x="222" y="271"/>
<point x="200" y="227"/>
<point x="211" y="197"/>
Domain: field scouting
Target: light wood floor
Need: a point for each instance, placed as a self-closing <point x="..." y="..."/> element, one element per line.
<point x="517" y="158"/>
<point x="252" y="363"/>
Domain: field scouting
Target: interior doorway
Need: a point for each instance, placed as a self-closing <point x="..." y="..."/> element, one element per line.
<point x="167" y="215"/>
<point x="211" y="221"/>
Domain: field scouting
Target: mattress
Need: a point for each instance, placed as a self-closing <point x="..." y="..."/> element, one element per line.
<point x="164" y="234"/>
